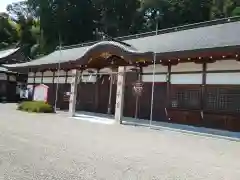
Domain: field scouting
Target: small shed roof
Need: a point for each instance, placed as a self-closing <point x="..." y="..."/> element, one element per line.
<point x="3" y="69"/>
<point x="7" y="52"/>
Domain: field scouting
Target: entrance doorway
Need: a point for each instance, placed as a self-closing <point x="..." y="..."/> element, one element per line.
<point x="143" y="106"/>
<point x="94" y="96"/>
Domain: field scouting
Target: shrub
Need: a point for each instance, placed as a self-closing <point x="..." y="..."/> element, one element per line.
<point x="35" y="106"/>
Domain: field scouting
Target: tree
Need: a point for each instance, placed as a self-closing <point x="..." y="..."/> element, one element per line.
<point x="152" y="10"/>
<point x="175" y="12"/>
<point x="116" y="17"/>
<point x="21" y="8"/>
<point x="236" y="11"/>
<point x="222" y="8"/>
<point x="26" y="25"/>
<point x="43" y="24"/>
<point x="8" y="31"/>
<point x="26" y="37"/>
<point x="71" y="21"/>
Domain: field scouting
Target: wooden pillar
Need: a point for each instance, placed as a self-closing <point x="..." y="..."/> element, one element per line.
<point x="53" y="87"/>
<point x="168" y="89"/>
<point x="7" y="86"/>
<point x="97" y="91"/>
<point x="110" y="94"/>
<point x="66" y="76"/>
<point x="34" y="83"/>
<point x="73" y="95"/>
<point x="120" y="94"/>
<point x="34" y="78"/>
<point x="53" y="77"/>
<point x="139" y="72"/>
<point x="203" y="87"/>
<point x="42" y="77"/>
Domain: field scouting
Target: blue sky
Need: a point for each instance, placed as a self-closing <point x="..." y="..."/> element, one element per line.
<point x="4" y="3"/>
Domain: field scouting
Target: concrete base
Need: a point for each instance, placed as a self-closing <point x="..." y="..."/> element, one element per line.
<point x="200" y="131"/>
<point x="94" y="117"/>
<point x="234" y="136"/>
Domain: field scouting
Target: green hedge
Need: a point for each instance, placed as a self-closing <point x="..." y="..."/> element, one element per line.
<point x="35" y="106"/>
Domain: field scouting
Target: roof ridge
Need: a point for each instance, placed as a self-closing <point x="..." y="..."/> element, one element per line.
<point x="9" y="48"/>
<point x="162" y="31"/>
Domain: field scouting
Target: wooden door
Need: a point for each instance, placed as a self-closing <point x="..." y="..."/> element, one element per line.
<point x="129" y="98"/>
<point x="104" y="93"/>
<point x="86" y="97"/>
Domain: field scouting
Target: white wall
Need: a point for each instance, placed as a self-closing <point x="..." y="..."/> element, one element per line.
<point x="38" y="80"/>
<point x="158" y="68"/>
<point x="224" y="65"/>
<point x="47" y="77"/>
<point x="212" y="78"/>
<point x="69" y="79"/>
<point x="30" y="74"/>
<point x="90" y="79"/>
<point x="48" y="73"/>
<point x="30" y="80"/>
<point x="223" y="78"/>
<point x="38" y="73"/>
<point x="47" y="80"/>
<point x="60" y="73"/>
<point x="158" y="78"/>
<point x="186" y="78"/>
<point x="191" y="66"/>
<point x="60" y="80"/>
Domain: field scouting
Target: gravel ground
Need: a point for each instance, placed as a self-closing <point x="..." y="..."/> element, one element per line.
<point x="56" y="147"/>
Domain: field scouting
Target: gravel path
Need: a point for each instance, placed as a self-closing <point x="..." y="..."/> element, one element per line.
<point x="56" y="147"/>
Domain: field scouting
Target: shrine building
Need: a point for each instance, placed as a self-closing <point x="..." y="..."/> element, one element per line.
<point x="197" y="75"/>
<point x="10" y="81"/>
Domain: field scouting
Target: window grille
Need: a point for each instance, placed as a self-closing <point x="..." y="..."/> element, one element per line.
<point x="185" y="98"/>
<point x="226" y="99"/>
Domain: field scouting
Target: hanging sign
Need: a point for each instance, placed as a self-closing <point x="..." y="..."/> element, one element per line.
<point x="66" y="96"/>
<point x="30" y="91"/>
<point x="41" y="93"/>
<point x="138" y="88"/>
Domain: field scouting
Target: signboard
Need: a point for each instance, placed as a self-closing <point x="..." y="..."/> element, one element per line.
<point x="40" y="93"/>
<point x="12" y="78"/>
<point x="30" y="91"/>
<point x="138" y="88"/>
<point x="66" y="96"/>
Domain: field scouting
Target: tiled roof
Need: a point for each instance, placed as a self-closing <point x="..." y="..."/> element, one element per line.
<point x="60" y="56"/>
<point x="192" y="38"/>
<point x="3" y="69"/>
<point x="220" y="35"/>
<point x="7" y="52"/>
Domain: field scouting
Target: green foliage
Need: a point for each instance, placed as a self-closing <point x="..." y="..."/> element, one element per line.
<point x="19" y="28"/>
<point x="222" y="8"/>
<point x="42" y="24"/>
<point x="8" y="31"/>
<point x="236" y="11"/>
<point x="35" y="106"/>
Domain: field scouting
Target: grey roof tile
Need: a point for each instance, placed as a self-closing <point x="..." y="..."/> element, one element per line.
<point x="214" y="36"/>
<point x="199" y="38"/>
<point x="5" y="53"/>
<point x="3" y="69"/>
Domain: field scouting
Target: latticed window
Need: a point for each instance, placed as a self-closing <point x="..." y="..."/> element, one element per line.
<point x="185" y="97"/>
<point x="225" y="99"/>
